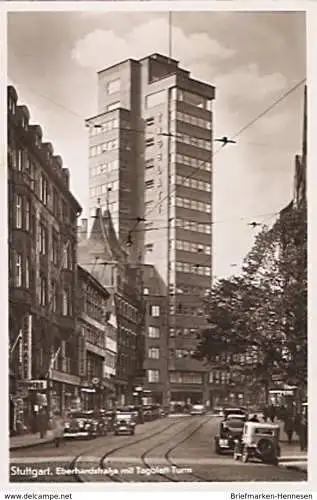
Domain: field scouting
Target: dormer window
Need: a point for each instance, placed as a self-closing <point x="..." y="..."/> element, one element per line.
<point x="24" y="123"/>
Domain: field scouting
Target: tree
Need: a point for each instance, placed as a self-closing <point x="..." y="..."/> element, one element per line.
<point x="261" y="316"/>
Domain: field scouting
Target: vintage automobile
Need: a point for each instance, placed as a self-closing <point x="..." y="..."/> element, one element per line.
<point x="124" y="423"/>
<point x="81" y="424"/>
<point x="197" y="409"/>
<point x="103" y="422"/>
<point x="110" y="416"/>
<point x="230" y="430"/>
<point x="260" y="441"/>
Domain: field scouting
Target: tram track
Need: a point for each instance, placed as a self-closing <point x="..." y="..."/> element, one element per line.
<point x="74" y="464"/>
<point x="188" y="477"/>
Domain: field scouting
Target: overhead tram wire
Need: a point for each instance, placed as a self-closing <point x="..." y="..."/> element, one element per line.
<point x="237" y="134"/>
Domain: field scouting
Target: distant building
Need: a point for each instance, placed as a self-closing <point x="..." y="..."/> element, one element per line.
<point x="42" y="270"/>
<point x="99" y="344"/>
<point x="101" y="254"/>
<point x="150" y="164"/>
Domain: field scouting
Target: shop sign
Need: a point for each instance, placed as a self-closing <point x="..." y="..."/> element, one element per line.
<point x="27" y="348"/>
<point x="33" y="385"/>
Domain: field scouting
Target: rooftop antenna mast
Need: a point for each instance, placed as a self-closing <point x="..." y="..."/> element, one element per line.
<point x="170" y="38"/>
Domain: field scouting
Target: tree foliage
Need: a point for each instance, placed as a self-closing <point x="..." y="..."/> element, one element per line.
<point x="262" y="314"/>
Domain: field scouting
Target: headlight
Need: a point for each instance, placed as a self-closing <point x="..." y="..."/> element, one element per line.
<point x="67" y="425"/>
<point x="87" y="426"/>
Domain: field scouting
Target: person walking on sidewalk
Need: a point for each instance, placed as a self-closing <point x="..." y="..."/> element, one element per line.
<point x="272" y="413"/>
<point x="42" y="422"/>
<point x="289" y="428"/>
<point x="58" y="429"/>
<point x="303" y="433"/>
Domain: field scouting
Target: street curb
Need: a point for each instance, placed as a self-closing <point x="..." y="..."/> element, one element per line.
<point x="294" y="468"/>
<point x="33" y="445"/>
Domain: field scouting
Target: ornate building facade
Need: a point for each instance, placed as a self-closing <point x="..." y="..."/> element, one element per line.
<point x="99" y="343"/>
<point x="102" y="255"/>
<point x="42" y="223"/>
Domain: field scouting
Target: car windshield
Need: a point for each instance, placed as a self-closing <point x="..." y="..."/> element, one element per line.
<point x="124" y="416"/>
<point x="235" y="423"/>
<point x="234" y="411"/>
<point x="80" y="414"/>
<point x="264" y="432"/>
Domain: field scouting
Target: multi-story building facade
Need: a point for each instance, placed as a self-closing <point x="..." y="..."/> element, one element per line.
<point x="99" y="344"/>
<point x="101" y="254"/>
<point x="155" y="382"/>
<point x="162" y="143"/>
<point x="42" y="267"/>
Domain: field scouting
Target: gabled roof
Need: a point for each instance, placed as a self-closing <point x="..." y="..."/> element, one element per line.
<point x="103" y="235"/>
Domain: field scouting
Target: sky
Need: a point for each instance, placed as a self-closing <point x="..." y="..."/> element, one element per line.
<point x="252" y="58"/>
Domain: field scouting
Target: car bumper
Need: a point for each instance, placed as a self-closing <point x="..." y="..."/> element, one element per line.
<point x="226" y="444"/>
<point x="70" y="434"/>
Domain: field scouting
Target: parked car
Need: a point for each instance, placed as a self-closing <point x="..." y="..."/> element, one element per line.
<point x="101" y="418"/>
<point x="124" y="423"/>
<point x="81" y="424"/>
<point x="197" y="409"/>
<point x="229" y="431"/>
<point x="148" y="413"/>
<point x="137" y="413"/>
<point x="260" y="441"/>
<point x="110" y="416"/>
<point x="163" y="412"/>
<point x="218" y="410"/>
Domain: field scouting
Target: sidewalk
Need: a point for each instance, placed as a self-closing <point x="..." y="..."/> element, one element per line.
<point x="30" y="440"/>
<point x="283" y="435"/>
<point x="292" y="457"/>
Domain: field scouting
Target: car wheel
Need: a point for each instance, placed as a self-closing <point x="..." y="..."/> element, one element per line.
<point x="245" y="456"/>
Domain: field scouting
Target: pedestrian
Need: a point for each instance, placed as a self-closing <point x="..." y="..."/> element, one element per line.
<point x="283" y="412"/>
<point x="272" y="413"/>
<point x="297" y="423"/>
<point x="289" y="428"/>
<point x="303" y="432"/>
<point x="42" y="423"/>
<point x="58" y="429"/>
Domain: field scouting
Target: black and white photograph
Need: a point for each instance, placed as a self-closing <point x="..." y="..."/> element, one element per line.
<point x="157" y="246"/>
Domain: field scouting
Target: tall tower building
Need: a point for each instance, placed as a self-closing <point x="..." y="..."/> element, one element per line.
<point x="151" y="165"/>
